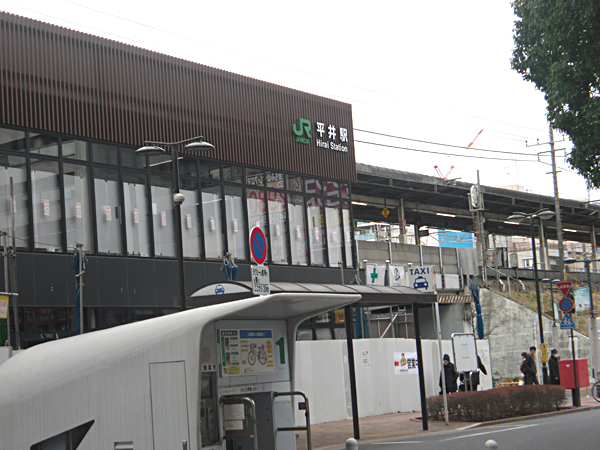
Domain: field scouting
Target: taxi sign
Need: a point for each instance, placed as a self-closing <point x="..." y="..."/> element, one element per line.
<point x="564" y="287"/>
<point x="565" y="305"/>
<point x="258" y="245"/>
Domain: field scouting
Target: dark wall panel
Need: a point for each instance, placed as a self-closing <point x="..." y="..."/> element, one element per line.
<point x="50" y="273"/>
<point x="112" y="281"/>
<point x="141" y="281"/>
<point x="59" y="80"/>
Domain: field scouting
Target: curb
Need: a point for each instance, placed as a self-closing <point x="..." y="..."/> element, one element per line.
<point x="534" y="416"/>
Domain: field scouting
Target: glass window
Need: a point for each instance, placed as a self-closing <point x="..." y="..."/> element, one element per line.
<point x="137" y="218"/>
<point x="130" y="159"/>
<point x="105" y="154"/>
<point x="163" y="217"/>
<point x="332" y="188"/>
<point x="15" y="168"/>
<point x="278" y="228"/>
<point x="48" y="319"/>
<point x="275" y="180"/>
<point x="108" y="212"/>
<point x="112" y="317"/>
<point x="237" y="237"/>
<point x="298" y="246"/>
<point x="334" y="232"/>
<point x="294" y="183"/>
<point x="313" y="186"/>
<point x="213" y="228"/>
<point x="191" y="227"/>
<point x="314" y="209"/>
<point x="345" y="189"/>
<point x="78" y="204"/>
<point x="12" y="140"/>
<point x="162" y="164"/>
<point x="347" y="225"/>
<point x="75" y="149"/>
<point x="42" y="144"/>
<point x="232" y="174"/>
<point x="255" y="177"/>
<point x="47" y="211"/>
<point x="257" y="209"/>
<point x="210" y="170"/>
<point x="188" y="166"/>
<point x="65" y="441"/>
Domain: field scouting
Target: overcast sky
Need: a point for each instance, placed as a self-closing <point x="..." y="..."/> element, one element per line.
<point x="434" y="71"/>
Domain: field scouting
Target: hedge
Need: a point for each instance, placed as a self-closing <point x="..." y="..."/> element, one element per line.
<point x="498" y="403"/>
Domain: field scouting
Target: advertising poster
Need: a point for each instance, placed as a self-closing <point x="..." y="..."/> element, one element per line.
<point x="581" y="296"/>
<point x="230" y="352"/>
<point x="406" y="363"/>
<point x="3" y="306"/>
<point x="256" y="351"/>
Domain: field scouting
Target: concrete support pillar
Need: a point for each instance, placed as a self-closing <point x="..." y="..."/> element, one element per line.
<point x="402" y="222"/>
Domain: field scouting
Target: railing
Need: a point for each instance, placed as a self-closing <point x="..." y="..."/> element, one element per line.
<point x="508" y="281"/>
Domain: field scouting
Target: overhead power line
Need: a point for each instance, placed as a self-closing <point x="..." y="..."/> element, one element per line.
<point x="441" y="144"/>
<point x="447" y="154"/>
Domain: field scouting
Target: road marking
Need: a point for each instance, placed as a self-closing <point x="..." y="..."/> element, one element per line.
<point x="400" y="442"/>
<point x="490" y="432"/>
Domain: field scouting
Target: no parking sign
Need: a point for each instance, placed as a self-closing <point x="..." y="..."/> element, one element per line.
<point x="258" y="245"/>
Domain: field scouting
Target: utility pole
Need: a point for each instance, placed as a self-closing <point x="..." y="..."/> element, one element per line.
<point x="559" y="233"/>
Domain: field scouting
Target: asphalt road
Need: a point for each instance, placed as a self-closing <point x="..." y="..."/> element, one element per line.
<point x="576" y="431"/>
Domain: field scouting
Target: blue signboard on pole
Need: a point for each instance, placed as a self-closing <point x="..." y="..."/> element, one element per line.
<point x="567" y="323"/>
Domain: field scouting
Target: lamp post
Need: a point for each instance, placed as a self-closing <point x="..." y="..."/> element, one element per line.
<point x="153" y="148"/>
<point x="595" y="345"/>
<point x="542" y="214"/>
<point x="554" y="327"/>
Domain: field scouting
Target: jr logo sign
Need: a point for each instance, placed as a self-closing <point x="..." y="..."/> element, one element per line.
<point x="301" y="130"/>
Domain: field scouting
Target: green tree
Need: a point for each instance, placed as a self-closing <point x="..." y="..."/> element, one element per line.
<point x="557" y="47"/>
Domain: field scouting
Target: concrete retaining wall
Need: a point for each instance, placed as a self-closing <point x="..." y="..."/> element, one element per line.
<point x="514" y="328"/>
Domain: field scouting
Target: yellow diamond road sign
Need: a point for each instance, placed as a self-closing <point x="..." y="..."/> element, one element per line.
<point x="385" y="212"/>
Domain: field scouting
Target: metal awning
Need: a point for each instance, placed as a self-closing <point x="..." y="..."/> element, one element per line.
<point x="371" y="296"/>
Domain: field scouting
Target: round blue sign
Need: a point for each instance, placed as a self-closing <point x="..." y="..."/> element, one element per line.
<point x="258" y="245"/>
<point x="566" y="304"/>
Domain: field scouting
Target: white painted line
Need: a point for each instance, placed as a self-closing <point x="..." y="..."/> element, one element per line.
<point x="490" y="432"/>
<point x="394" y="443"/>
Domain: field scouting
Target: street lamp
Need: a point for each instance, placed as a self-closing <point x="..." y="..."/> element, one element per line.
<point x="542" y="214"/>
<point x="595" y="350"/>
<point x="152" y="148"/>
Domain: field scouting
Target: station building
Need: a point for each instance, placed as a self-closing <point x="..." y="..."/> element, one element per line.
<point x="73" y="110"/>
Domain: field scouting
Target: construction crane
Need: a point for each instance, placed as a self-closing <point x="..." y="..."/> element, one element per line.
<point x="474" y="139"/>
<point x="437" y="168"/>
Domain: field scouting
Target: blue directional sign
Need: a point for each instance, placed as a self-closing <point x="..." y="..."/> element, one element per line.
<point x="567" y="323"/>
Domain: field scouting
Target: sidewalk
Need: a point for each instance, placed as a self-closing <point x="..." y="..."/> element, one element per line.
<point x="389" y="427"/>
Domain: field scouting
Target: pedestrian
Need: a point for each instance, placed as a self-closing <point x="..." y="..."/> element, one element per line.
<point x="530" y="368"/>
<point x="473" y="378"/>
<point x="450" y="375"/>
<point x="553" y="364"/>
